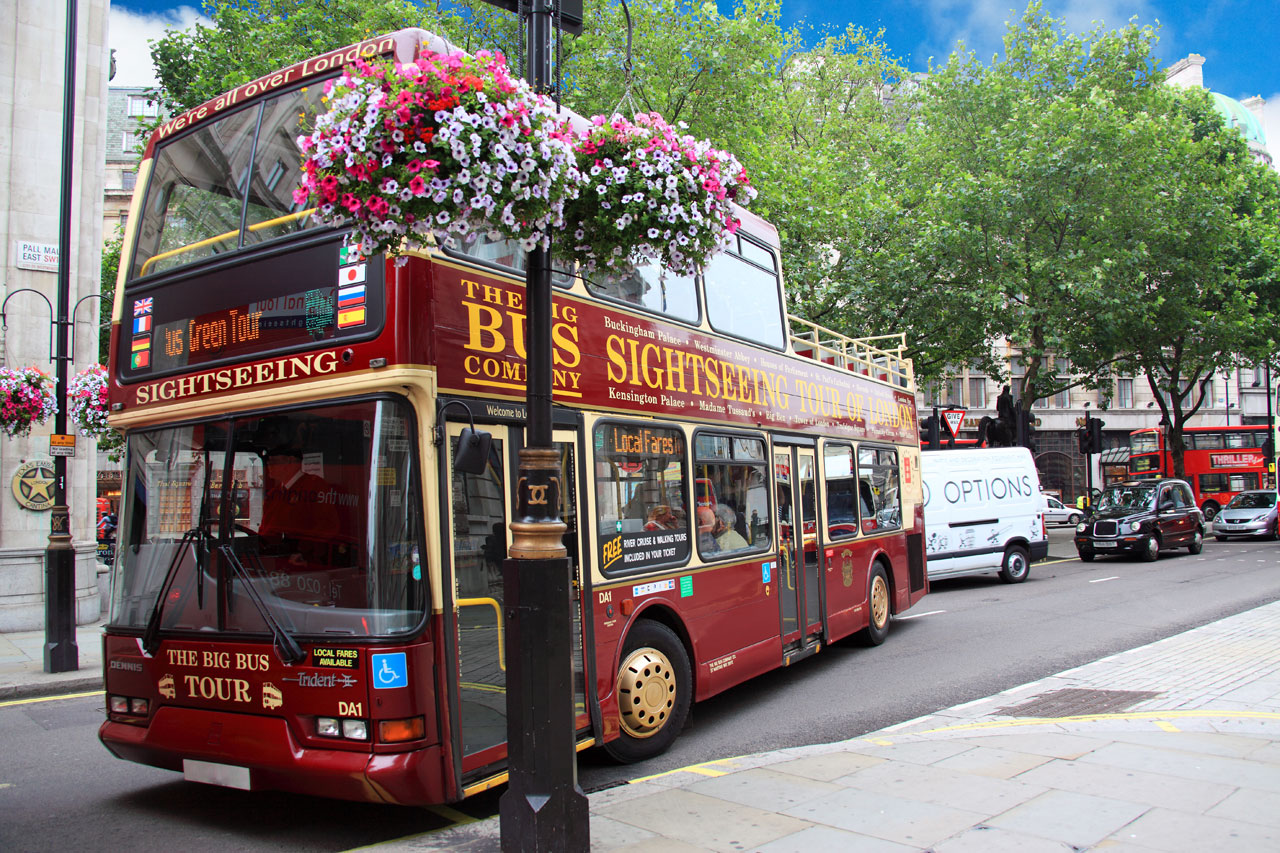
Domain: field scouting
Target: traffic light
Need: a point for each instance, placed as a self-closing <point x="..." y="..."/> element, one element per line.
<point x="1095" y="435"/>
<point x="1082" y="437"/>
<point x="1026" y="429"/>
<point x="932" y="438"/>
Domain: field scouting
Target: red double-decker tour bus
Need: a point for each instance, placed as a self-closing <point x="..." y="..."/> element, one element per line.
<point x="1220" y="461"/>
<point x="307" y="595"/>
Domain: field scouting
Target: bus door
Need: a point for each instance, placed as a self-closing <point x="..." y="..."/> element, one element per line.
<point x="799" y="545"/>
<point x="478" y="514"/>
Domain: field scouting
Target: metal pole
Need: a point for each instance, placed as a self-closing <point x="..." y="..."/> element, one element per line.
<point x="1088" y="464"/>
<point x="60" y="651"/>
<point x="543" y="809"/>
<point x="1271" y="432"/>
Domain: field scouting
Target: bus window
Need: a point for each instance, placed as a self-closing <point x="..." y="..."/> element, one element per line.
<point x="271" y="210"/>
<point x="651" y="287"/>
<point x="735" y="472"/>
<point x="1205" y="441"/>
<point x="742" y="300"/>
<point x="640" y="496"/>
<point x="842" y="499"/>
<point x="502" y="252"/>
<point x="878" y="480"/>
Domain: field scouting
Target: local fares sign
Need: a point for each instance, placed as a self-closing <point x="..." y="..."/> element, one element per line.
<point x="607" y="358"/>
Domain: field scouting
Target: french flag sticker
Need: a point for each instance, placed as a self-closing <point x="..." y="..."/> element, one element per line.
<point x="351" y="275"/>
<point x="142" y="324"/>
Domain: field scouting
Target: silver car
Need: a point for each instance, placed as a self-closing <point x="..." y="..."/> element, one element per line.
<point x="1056" y="512"/>
<point x="1251" y="513"/>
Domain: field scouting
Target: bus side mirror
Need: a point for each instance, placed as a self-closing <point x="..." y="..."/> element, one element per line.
<point x="473" y="451"/>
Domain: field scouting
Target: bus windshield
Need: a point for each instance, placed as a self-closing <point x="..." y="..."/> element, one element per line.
<point x="314" y="508"/>
<point x="1144" y="442"/>
<point x="227" y="184"/>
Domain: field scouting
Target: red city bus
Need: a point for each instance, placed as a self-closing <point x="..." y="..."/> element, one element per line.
<point x="1220" y="461"/>
<point x="308" y="595"/>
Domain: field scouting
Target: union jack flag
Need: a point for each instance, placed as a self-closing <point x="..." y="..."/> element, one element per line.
<point x="142" y="306"/>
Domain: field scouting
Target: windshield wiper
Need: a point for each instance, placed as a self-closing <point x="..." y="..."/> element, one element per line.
<point x="151" y="634"/>
<point x="288" y="648"/>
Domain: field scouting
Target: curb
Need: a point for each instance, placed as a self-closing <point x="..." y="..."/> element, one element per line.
<point x="37" y="689"/>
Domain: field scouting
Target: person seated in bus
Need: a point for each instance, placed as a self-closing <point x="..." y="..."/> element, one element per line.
<point x="706" y="517"/>
<point x="728" y="538"/>
<point x="297" y="522"/>
<point x="662" y="517"/>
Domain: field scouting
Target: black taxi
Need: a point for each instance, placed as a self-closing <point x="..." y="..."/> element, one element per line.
<point x="1142" y="517"/>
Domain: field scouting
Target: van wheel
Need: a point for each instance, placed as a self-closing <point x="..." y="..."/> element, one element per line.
<point x="879" y="604"/>
<point x="654" y="691"/>
<point x="1151" y="550"/>
<point x="1075" y="518"/>
<point x="1016" y="565"/>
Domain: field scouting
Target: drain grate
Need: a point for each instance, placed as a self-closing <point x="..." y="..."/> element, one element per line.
<point x="1074" y="701"/>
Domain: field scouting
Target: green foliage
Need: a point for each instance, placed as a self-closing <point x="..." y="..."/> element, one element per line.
<point x="107" y="287"/>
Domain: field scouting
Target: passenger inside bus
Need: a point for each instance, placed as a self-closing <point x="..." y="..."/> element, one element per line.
<point x="727" y="537"/>
<point x="706" y="530"/>
<point x="297" y="521"/>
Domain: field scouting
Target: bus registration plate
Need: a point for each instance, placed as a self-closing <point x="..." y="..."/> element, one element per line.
<point x="226" y="775"/>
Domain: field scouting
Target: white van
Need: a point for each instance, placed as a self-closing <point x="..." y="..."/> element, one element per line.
<point x="982" y="513"/>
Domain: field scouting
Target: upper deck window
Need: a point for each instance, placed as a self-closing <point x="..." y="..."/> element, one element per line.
<point x="650" y="287"/>
<point x="506" y="253"/>
<point x="743" y="294"/>
<point x="227" y="184"/>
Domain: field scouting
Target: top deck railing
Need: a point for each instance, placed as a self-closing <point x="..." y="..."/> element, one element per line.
<point x="882" y="357"/>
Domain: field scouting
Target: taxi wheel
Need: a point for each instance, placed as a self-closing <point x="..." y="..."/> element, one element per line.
<point x="1197" y="543"/>
<point x="1086" y="556"/>
<point x="654" y="691"/>
<point x="878" y="601"/>
<point x="1151" y="550"/>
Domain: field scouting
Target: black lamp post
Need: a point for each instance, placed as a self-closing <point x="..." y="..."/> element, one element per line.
<point x="60" y="651"/>
<point x="543" y="809"/>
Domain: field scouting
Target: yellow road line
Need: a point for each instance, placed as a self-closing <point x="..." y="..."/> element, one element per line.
<point x="700" y="769"/>
<point x="49" y="698"/>
<point x="1089" y="718"/>
<point x="1168" y="727"/>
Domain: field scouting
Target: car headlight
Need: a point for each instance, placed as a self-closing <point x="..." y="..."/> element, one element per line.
<point x="1135" y="526"/>
<point x="1081" y="527"/>
<point x="1262" y="516"/>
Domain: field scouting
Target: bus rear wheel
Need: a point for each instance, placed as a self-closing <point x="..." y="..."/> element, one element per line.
<point x="878" y="602"/>
<point x="1210" y="509"/>
<point x="654" y="690"/>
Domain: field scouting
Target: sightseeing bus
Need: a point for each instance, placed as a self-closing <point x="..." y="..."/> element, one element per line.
<point x="308" y="594"/>
<point x="1219" y="461"/>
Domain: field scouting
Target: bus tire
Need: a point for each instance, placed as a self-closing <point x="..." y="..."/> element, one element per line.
<point x="1210" y="509"/>
<point x="1016" y="565"/>
<point x="655" y="687"/>
<point x="879" y="607"/>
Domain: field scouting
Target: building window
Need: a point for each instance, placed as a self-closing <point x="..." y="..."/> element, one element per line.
<point x="1062" y="400"/>
<point x="129" y="141"/>
<point x="128" y="180"/>
<point x="955" y="392"/>
<point x="978" y="392"/>
<point x="1124" y="393"/>
<point x="140" y="106"/>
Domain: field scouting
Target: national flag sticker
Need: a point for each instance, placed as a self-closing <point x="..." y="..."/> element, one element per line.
<point x="141" y="359"/>
<point x="351" y="317"/>
<point x="142" y="306"/>
<point x="142" y="324"/>
<point x="141" y="342"/>
<point x="351" y="275"/>
<point x="349" y="296"/>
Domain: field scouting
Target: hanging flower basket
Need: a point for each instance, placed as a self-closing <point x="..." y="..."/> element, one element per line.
<point x="87" y="402"/>
<point x="652" y="194"/>
<point x="448" y="144"/>
<point x="26" y="399"/>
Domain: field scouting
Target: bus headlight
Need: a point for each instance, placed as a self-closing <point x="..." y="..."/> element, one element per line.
<point x="328" y="727"/>
<point x="355" y="729"/>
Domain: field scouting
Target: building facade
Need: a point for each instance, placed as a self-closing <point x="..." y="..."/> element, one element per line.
<point x="33" y="41"/>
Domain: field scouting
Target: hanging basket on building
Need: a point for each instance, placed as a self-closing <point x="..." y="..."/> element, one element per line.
<point x="26" y="399"/>
<point x="87" y="402"/>
<point x="450" y="145"/>
<point x="652" y="194"/>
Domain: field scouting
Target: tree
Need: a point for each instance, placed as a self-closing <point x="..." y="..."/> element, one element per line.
<point x="1000" y="228"/>
<point x="112" y="444"/>
<point x="1206" y="272"/>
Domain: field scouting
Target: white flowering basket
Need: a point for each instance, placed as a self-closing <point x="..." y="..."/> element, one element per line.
<point x="651" y="193"/>
<point x="26" y="399"/>
<point x="449" y="145"/>
<point x="87" y="402"/>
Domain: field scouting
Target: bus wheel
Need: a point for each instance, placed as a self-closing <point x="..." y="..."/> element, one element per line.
<point x="1016" y="566"/>
<point x="1210" y="509"/>
<point x="654" y="691"/>
<point x="878" y="601"/>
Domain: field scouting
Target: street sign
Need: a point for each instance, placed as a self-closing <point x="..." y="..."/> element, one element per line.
<point x="62" y="445"/>
<point x="954" y="418"/>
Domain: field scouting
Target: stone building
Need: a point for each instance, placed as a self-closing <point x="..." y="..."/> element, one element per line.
<point x="33" y="41"/>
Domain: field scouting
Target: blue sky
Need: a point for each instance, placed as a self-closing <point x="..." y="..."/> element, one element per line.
<point x="1239" y="39"/>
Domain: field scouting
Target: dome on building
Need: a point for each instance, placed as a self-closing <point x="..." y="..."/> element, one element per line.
<point x="1237" y="115"/>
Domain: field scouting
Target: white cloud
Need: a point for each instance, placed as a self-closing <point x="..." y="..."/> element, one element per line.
<point x="129" y="33"/>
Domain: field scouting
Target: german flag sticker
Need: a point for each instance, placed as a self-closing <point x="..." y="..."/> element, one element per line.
<point x="351" y="317"/>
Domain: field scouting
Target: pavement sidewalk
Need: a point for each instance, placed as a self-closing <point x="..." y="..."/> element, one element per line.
<point x="1173" y="746"/>
<point x="22" y="672"/>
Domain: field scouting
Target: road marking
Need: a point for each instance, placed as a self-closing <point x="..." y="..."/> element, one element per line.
<point x="879" y="741"/>
<point x="1093" y="718"/>
<point x="1168" y="727"/>
<point x="702" y="769"/>
<point x="49" y="698"/>
<point x="918" y="615"/>
<point x="1104" y="580"/>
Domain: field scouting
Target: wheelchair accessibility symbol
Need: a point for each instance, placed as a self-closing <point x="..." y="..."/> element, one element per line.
<point x="390" y="670"/>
